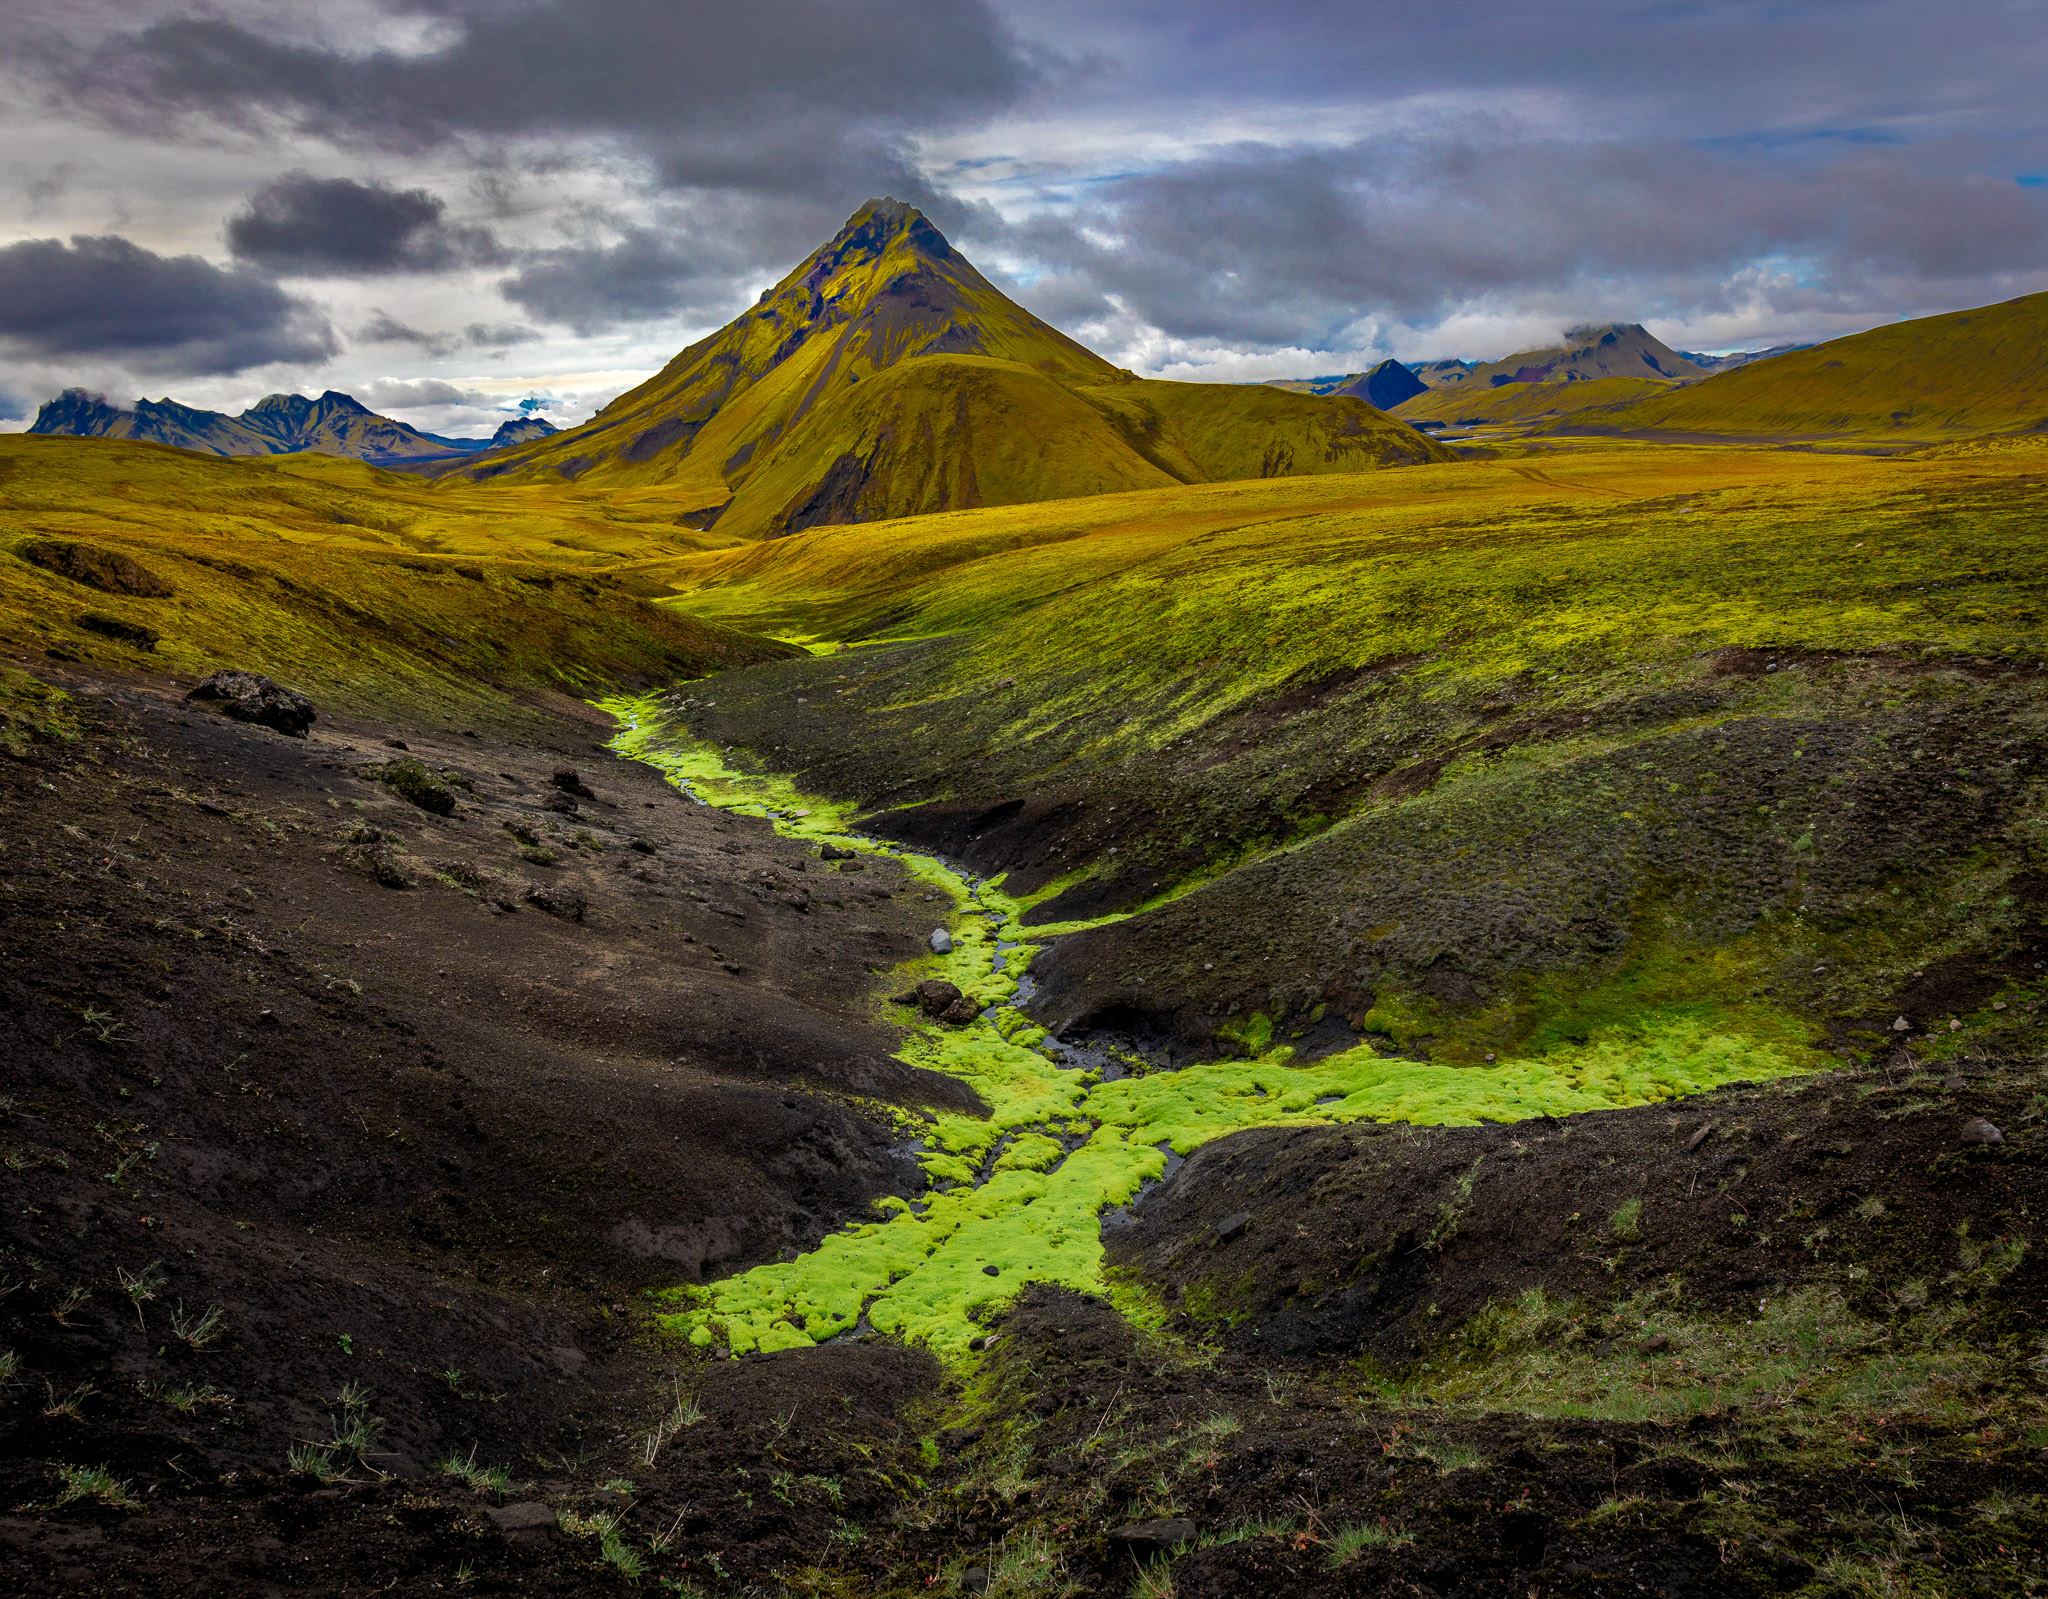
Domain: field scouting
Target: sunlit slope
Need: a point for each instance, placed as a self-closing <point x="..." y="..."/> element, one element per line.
<point x="1606" y="744"/>
<point x="1526" y="402"/>
<point x="888" y="287"/>
<point x="331" y="574"/>
<point x="941" y="573"/>
<point x="1981" y="371"/>
<point x="841" y="396"/>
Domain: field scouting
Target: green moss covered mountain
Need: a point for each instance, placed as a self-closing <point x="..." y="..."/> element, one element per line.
<point x="886" y="377"/>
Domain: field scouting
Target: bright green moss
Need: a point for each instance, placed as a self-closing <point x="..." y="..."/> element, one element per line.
<point x="921" y="1273"/>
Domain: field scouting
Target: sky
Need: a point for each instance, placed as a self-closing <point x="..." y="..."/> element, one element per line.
<point x="451" y="207"/>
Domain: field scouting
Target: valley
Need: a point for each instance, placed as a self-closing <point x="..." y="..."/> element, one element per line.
<point x="912" y="964"/>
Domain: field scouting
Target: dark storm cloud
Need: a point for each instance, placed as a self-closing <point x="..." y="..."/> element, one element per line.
<point x="1286" y="247"/>
<point x="338" y="227"/>
<point x="672" y="77"/>
<point x="107" y="297"/>
<point x="384" y="328"/>
<point x="644" y="276"/>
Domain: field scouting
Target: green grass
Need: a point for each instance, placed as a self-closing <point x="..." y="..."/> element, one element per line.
<point x="921" y="1275"/>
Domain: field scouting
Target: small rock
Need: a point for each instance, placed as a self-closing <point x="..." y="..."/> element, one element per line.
<point x="613" y="1498"/>
<point x="1979" y="1131"/>
<point x="955" y="1439"/>
<point x="1701" y="1134"/>
<point x="832" y="852"/>
<point x="974" y="1580"/>
<point x="1954" y="1026"/>
<point x="558" y="901"/>
<point x="942" y="941"/>
<point x="569" y="781"/>
<point x="991" y="1271"/>
<point x="977" y="1343"/>
<point x="1902" y="1026"/>
<point x="1955" y="1082"/>
<point x="1998" y="1004"/>
<point x="396" y="744"/>
<point x="1654" y="1344"/>
<point x="527" y="1520"/>
<point x="1154" y="1537"/>
<point x="935" y="996"/>
<point x="645" y="846"/>
<point x="1230" y="1226"/>
<point x="561" y="804"/>
<point x="249" y="698"/>
<point x="960" y="1012"/>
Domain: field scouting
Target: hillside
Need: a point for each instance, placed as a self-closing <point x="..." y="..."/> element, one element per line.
<point x="1933" y="378"/>
<point x="885" y="375"/>
<point x="278" y="424"/>
<point x="1463" y="405"/>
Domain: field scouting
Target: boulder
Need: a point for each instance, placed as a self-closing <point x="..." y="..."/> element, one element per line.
<point x="411" y="781"/>
<point x="571" y="782"/>
<point x="935" y="996"/>
<point x="941" y="941"/>
<point x="247" y="697"/>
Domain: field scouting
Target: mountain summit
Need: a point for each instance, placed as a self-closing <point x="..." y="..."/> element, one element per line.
<point x="885" y="376"/>
<point x="277" y="424"/>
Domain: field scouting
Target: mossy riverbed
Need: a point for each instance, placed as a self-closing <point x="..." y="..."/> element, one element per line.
<point x="1017" y="1197"/>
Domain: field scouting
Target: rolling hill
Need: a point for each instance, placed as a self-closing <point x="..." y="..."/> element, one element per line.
<point x="1937" y="377"/>
<point x="278" y="424"/>
<point x="885" y="376"/>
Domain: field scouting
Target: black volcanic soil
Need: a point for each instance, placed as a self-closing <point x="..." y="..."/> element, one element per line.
<point x="426" y="1148"/>
<point x="430" y="1141"/>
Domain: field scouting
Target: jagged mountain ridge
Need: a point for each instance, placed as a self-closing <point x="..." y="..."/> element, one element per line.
<point x="885" y="376"/>
<point x="278" y="424"/>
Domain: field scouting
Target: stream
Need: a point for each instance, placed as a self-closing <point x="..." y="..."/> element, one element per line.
<point x="1074" y="1136"/>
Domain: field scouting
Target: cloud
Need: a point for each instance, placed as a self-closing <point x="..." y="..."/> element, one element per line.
<point x="384" y="328"/>
<point x="104" y="296"/>
<point x="1330" y="247"/>
<point x="650" y="71"/>
<point x="385" y="394"/>
<point x="320" y="227"/>
<point x="643" y="276"/>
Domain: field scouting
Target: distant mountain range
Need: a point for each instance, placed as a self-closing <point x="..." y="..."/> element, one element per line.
<point x="278" y="424"/>
<point x="886" y="377"/>
<point x="1626" y="361"/>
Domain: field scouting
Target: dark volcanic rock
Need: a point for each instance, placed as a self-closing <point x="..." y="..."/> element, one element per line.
<point x="247" y="697"/>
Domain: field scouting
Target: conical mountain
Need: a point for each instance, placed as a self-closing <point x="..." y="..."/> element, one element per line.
<point x="886" y="377"/>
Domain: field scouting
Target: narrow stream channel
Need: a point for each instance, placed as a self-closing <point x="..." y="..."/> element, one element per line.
<point x="1072" y="1136"/>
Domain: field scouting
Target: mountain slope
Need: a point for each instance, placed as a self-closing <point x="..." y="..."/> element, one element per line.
<point x="1524" y="402"/>
<point x="1966" y="372"/>
<point x="1385" y="386"/>
<point x="277" y="424"/>
<point x="887" y="356"/>
<point x="1609" y="350"/>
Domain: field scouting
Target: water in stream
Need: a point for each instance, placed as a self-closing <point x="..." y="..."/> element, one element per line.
<point x="1072" y="1135"/>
